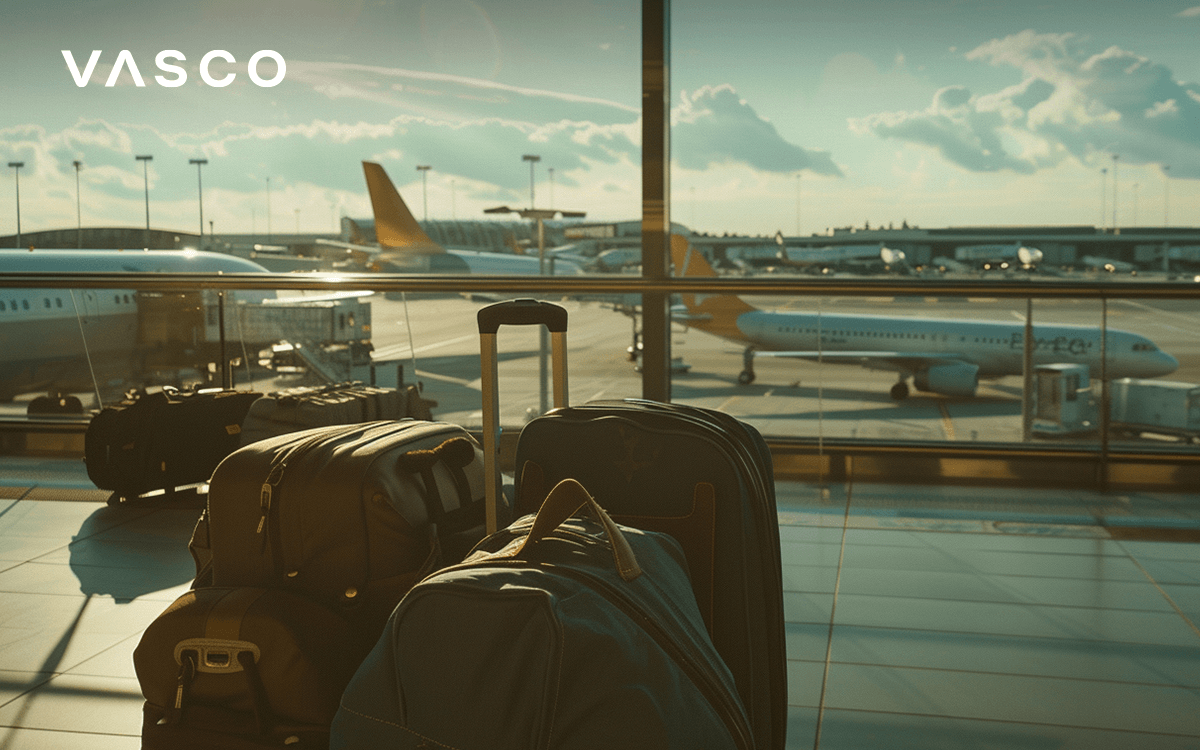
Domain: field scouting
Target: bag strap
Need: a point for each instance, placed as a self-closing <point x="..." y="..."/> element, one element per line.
<point x="567" y="497"/>
<point x="456" y="454"/>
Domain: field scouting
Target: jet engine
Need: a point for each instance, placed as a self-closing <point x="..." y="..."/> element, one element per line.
<point x="956" y="379"/>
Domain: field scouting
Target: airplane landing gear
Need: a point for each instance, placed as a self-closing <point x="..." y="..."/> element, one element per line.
<point x="746" y="376"/>
<point x="900" y="391"/>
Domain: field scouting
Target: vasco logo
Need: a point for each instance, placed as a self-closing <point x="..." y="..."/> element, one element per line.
<point x="125" y="60"/>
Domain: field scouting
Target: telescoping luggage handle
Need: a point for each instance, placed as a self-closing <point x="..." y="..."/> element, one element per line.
<point x="518" y="312"/>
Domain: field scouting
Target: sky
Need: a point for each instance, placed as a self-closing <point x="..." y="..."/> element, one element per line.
<point x="791" y="116"/>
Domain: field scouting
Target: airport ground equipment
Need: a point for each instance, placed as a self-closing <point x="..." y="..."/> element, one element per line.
<point x="1064" y="404"/>
<point x="557" y="632"/>
<point x="1163" y="407"/>
<point x="699" y="475"/>
<point x="296" y="409"/>
<point x="163" y="440"/>
<point x="309" y="538"/>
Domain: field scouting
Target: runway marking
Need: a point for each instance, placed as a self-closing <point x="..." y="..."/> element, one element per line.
<point x="1017" y="315"/>
<point x="727" y="402"/>
<point x="947" y="424"/>
<point x="450" y="379"/>
<point x="402" y="350"/>
<point x="598" y="394"/>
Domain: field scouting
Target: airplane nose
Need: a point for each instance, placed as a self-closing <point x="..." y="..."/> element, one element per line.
<point x="1168" y="363"/>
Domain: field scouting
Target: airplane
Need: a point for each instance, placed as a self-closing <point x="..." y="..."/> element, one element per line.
<point x="939" y="355"/>
<point x="405" y="248"/>
<point x="999" y="257"/>
<point x="871" y="258"/>
<point x="51" y="334"/>
<point x="1111" y="265"/>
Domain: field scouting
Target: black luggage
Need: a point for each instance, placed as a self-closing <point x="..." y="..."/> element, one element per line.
<point x="700" y="475"/>
<point x="556" y="632"/>
<point x="296" y="409"/>
<point x="163" y="440"/>
<point x="308" y="542"/>
<point x="350" y="516"/>
<point x="205" y="663"/>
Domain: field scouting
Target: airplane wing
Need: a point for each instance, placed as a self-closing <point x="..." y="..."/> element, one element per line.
<point x="907" y="362"/>
<point x="349" y="247"/>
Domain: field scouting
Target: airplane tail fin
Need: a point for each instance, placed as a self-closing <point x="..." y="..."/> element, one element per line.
<point x="352" y="232"/>
<point x="717" y="313"/>
<point x="395" y="226"/>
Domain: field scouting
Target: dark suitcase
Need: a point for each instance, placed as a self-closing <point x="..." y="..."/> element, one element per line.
<point x="163" y="440"/>
<point x="242" y="667"/>
<point x="556" y="633"/>
<point x="700" y="475"/>
<point x="298" y="409"/>
<point x="349" y="516"/>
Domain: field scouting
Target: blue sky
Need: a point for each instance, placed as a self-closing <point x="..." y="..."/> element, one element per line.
<point x="786" y="114"/>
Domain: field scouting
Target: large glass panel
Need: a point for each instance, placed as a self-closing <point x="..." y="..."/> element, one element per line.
<point x="1031" y="144"/>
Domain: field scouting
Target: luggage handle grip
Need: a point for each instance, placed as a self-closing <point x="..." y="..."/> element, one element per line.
<point x="567" y="497"/>
<point x="522" y="312"/>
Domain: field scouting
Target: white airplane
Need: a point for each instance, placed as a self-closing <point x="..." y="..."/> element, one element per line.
<point x="405" y="248"/>
<point x="999" y="257"/>
<point x="1111" y="265"/>
<point x="49" y="335"/>
<point x="940" y="355"/>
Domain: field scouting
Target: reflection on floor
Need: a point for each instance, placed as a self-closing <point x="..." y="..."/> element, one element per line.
<point x="917" y="617"/>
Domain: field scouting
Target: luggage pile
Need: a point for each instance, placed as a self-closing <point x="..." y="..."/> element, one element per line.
<point x="347" y="596"/>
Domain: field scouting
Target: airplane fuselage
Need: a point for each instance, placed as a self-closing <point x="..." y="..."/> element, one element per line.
<point x="996" y="348"/>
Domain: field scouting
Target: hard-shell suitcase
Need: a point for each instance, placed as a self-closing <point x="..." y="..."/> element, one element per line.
<point x="242" y="668"/>
<point x="163" y="440"/>
<point x="349" y="516"/>
<point x="700" y="475"/>
<point x="556" y="633"/>
<point x="296" y="409"/>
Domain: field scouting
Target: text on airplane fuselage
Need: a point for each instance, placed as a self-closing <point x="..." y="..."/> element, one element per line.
<point x="1016" y="341"/>
<point x="125" y="60"/>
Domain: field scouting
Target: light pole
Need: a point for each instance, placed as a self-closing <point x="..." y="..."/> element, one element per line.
<point x="78" y="209"/>
<point x="424" y="170"/>
<point x="145" y="160"/>
<point x="532" y="159"/>
<point x="1116" y="229"/>
<point x="551" y="171"/>
<point x="1166" y="195"/>
<point x="200" y="195"/>
<point x="16" y="165"/>
<point x="268" y="210"/>
<point x="1103" y="198"/>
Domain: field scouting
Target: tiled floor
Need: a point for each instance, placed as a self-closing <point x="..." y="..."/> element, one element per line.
<point x="917" y="617"/>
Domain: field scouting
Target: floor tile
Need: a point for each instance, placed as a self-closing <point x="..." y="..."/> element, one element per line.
<point x="992" y="562"/>
<point x="49" y="650"/>
<point x="799" y="553"/>
<point x="77" y="703"/>
<point x="804" y="682"/>
<point x="1172" y="571"/>
<point x="1074" y="623"/>
<point x="965" y="586"/>
<point x="1078" y="703"/>
<point x="48" y="739"/>
<point x="858" y="730"/>
<point x="976" y="652"/>
<point x="1187" y="598"/>
<point x="16" y="682"/>
<point x="806" y="641"/>
<point x="115" y="661"/>
<point x="804" y="607"/>
<point x="810" y="578"/>
<point x="123" y="584"/>
<point x="1163" y="551"/>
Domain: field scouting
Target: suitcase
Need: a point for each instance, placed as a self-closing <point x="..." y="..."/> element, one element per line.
<point x="700" y="475"/>
<point x="298" y="409"/>
<point x="242" y="668"/>
<point x="163" y="440"/>
<point x="555" y="633"/>
<point x="349" y="516"/>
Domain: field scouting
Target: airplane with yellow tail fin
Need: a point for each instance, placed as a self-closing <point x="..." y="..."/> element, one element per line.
<point x="947" y="356"/>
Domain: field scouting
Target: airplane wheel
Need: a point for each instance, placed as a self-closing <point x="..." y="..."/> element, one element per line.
<point x="745" y="377"/>
<point x="900" y="391"/>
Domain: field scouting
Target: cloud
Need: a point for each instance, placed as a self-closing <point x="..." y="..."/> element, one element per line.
<point x="1189" y="13"/>
<point x="713" y="125"/>
<point x="1069" y="103"/>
